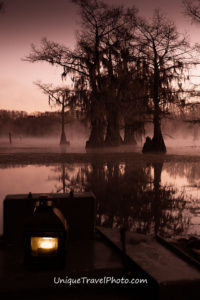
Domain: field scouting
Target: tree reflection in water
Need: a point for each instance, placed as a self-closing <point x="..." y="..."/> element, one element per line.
<point x="127" y="194"/>
<point x="70" y="177"/>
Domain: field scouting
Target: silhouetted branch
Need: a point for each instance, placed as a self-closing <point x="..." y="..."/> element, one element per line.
<point x="192" y="9"/>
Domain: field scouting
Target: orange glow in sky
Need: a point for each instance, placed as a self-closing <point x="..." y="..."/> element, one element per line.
<point x="27" y="21"/>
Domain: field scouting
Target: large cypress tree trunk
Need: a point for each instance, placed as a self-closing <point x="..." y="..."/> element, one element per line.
<point x="96" y="138"/>
<point x="129" y="134"/>
<point x="97" y="113"/>
<point x="113" y="137"/>
<point x="158" y="144"/>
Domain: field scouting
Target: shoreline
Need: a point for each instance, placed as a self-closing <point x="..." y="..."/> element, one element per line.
<point x="47" y="158"/>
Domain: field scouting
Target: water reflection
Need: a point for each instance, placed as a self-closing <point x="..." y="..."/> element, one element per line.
<point x="146" y="197"/>
<point x="69" y="177"/>
<point x="133" y="195"/>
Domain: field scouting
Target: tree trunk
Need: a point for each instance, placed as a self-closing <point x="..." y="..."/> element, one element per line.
<point x="158" y="144"/>
<point x="129" y="135"/>
<point x="113" y="137"/>
<point x="96" y="138"/>
<point x="63" y="140"/>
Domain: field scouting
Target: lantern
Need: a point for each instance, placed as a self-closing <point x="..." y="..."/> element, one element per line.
<point x="45" y="236"/>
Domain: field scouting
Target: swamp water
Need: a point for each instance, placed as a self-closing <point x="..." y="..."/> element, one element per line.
<point x="162" y="196"/>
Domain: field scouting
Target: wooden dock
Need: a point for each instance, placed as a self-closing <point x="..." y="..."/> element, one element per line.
<point x="176" y="278"/>
<point x="92" y="254"/>
<point x="92" y="259"/>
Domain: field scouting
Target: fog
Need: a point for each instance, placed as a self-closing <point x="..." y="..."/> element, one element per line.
<point x="76" y="134"/>
<point x="180" y="138"/>
<point x="111" y="177"/>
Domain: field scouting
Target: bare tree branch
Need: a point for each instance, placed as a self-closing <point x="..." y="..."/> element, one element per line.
<point x="192" y="9"/>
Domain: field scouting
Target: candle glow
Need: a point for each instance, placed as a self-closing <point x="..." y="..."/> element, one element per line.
<point x="44" y="245"/>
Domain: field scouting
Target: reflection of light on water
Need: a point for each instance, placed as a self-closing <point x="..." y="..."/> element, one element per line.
<point x="168" y="180"/>
<point x="179" y="177"/>
<point x="22" y="180"/>
<point x="71" y="177"/>
<point x="105" y="169"/>
<point x="122" y="168"/>
<point x="181" y="185"/>
<point x="191" y="192"/>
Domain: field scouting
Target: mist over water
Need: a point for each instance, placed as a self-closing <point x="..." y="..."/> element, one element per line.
<point x="76" y="134"/>
<point x="52" y="144"/>
<point x="180" y="138"/>
<point x="125" y="186"/>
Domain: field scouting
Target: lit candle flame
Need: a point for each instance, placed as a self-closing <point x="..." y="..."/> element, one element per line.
<point x="47" y="243"/>
<point x="41" y="245"/>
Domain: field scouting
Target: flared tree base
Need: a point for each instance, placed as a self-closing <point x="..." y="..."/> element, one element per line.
<point x="130" y="141"/>
<point x="155" y="145"/>
<point x="129" y="136"/>
<point x="113" y="139"/>
<point x="158" y="144"/>
<point x="94" y="144"/>
<point x="96" y="139"/>
<point x="113" y="142"/>
<point x="63" y="140"/>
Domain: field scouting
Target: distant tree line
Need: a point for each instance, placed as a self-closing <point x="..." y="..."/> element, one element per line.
<point x="20" y="123"/>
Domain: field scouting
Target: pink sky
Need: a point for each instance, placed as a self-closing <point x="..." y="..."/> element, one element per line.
<point x="27" y="21"/>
